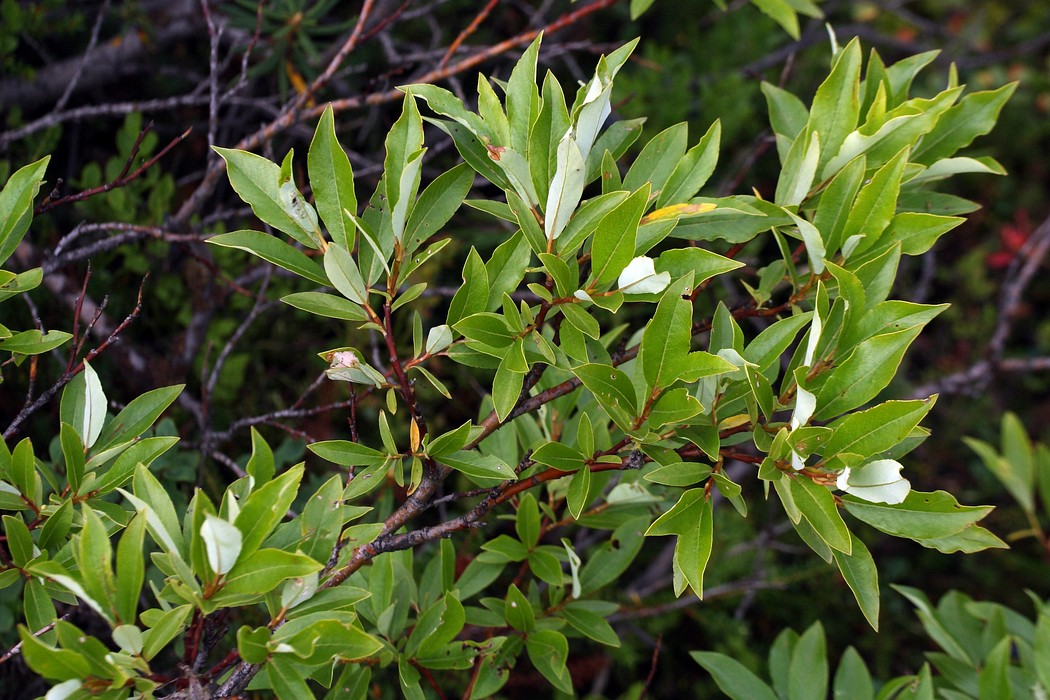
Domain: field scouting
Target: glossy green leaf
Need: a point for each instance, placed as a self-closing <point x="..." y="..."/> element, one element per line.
<point x="836" y="104"/>
<point x="866" y="372"/>
<point x="808" y="670"/>
<point x="921" y="515"/>
<point x="732" y="677"/>
<point x="973" y="116"/>
<point x="479" y="466"/>
<point x="818" y="506"/>
<point x="859" y="571"/>
<point x="548" y="651"/>
<point x="327" y="305"/>
<point x="332" y="180"/>
<point x="666" y="340"/>
<point x="130" y="569"/>
<point x="273" y="250"/>
<point x="257" y="181"/>
<point x="658" y="159"/>
<point x="139" y="415"/>
<point x="877" y="429"/>
<point x="852" y="679"/>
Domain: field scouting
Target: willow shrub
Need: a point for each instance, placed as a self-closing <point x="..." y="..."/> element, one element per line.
<point x="621" y="385"/>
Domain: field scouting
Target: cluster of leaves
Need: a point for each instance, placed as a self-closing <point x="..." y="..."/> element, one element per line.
<point x="594" y="422"/>
<point x="987" y="652"/>
<point x="985" y="649"/>
<point x="16" y="213"/>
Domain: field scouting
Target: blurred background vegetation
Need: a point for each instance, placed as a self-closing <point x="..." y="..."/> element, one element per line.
<point x="82" y="80"/>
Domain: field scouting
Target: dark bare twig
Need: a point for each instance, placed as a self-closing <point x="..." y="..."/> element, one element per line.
<point x="74" y="368"/>
<point x="122" y="179"/>
<point x="72" y="85"/>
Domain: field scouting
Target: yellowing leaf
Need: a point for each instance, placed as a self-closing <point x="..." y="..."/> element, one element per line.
<point x="678" y="210"/>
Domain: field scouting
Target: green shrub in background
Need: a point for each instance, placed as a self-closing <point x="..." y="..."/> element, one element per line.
<point x="986" y="650"/>
<point x="628" y="396"/>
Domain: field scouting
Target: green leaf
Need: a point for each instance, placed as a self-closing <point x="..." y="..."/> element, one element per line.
<point x="332" y="180"/>
<point x="257" y="574"/>
<point x="970" y="540"/>
<point x="732" y="677"/>
<point x="808" y="670"/>
<point x="38" y="606"/>
<point x="73" y="454"/>
<point x="56" y="527"/>
<point x="692" y="172"/>
<point x="665" y="342"/>
<point x="836" y="203"/>
<point x="701" y="262"/>
<point x="164" y="523"/>
<point x="144" y="451"/>
<point x="19" y="541"/>
<point x="16" y="205"/>
<point x="1041" y="648"/>
<point x="836" y="104"/>
<point x="614" y="238"/>
<point x="611" y="387"/>
<point x="346" y="277"/>
<point x="546" y="131"/>
<point x="435" y="207"/>
<point x="33" y="342"/>
<point x="527" y="522"/>
<point x="139" y="415"/>
<point x="252" y="644"/>
<point x="559" y="455"/>
<point x="257" y="181"/>
<point x="83" y="405"/>
<point x="852" y="679"/>
<point x="876" y="204"/>
<point x="164" y="626"/>
<point x="861" y="575"/>
<point x="585" y="220"/>
<point x="877" y="429"/>
<point x="974" y="116"/>
<point x="487" y="328"/>
<point x="327" y="305"/>
<point x="590" y="624"/>
<point x="866" y="372"/>
<point x="265" y="508"/>
<point x="787" y="115"/>
<point x="693" y="549"/>
<point x="517" y="610"/>
<point x="673" y="407"/>
<point x="921" y="516"/>
<point x="994" y="678"/>
<point x="273" y="250"/>
<point x="131" y="569"/>
<point x="548" y="651"/>
<point x="285" y="678"/>
<point x="818" y="506"/>
<point x="479" y="466"/>
<point x="917" y="232"/>
<point x="579" y="493"/>
<point x="581" y="319"/>
<point x="781" y="12"/>
<point x="523" y="100"/>
<point x="472" y="297"/>
<point x="51" y="663"/>
<point x="658" y="159"/>
<point x="347" y="454"/>
<point x="449" y="442"/>
<point x="507" y="384"/>
<point x="800" y="167"/>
